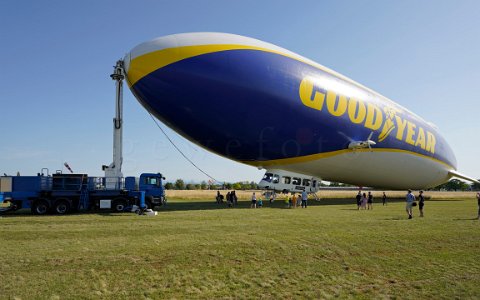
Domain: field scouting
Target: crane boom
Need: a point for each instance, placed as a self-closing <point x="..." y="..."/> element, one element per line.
<point x="113" y="172"/>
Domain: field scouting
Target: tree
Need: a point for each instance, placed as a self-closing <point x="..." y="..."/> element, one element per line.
<point x="169" y="186"/>
<point x="476" y="186"/>
<point x="190" y="186"/>
<point x="245" y="186"/>
<point x="236" y="186"/>
<point x="179" y="184"/>
<point x="204" y="185"/>
<point x="454" y="185"/>
<point x="228" y="186"/>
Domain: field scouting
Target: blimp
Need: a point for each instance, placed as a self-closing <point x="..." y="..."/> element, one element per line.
<point x="270" y="108"/>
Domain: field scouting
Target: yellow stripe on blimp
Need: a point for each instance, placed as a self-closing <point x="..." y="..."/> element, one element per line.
<point x="145" y="64"/>
<point x="312" y="157"/>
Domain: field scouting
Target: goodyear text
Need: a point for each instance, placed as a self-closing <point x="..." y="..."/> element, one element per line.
<point x="385" y="121"/>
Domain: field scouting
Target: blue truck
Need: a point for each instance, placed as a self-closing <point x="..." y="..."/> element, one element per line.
<point x="63" y="193"/>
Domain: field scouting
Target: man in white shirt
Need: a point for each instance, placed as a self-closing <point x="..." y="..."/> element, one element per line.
<point x="410" y="198"/>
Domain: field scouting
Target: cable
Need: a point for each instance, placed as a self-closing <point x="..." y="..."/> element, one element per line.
<point x="168" y="138"/>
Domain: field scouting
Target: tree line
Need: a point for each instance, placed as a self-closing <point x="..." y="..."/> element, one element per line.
<point x="179" y="184"/>
<point x="458" y="185"/>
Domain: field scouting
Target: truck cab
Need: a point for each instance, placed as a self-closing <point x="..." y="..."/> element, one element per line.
<point x="151" y="184"/>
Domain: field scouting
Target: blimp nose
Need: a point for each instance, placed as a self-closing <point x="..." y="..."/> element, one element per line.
<point x="235" y="96"/>
<point x="126" y="63"/>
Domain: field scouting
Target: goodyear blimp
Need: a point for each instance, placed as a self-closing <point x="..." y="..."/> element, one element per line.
<point x="265" y="106"/>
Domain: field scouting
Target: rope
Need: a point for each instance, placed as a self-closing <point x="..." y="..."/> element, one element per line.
<point x="180" y="151"/>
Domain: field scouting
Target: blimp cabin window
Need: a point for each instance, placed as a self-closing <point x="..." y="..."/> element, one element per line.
<point x="268" y="177"/>
<point x="314" y="183"/>
<point x="276" y="178"/>
<point x="306" y="182"/>
<point x="296" y="181"/>
<point x="286" y="179"/>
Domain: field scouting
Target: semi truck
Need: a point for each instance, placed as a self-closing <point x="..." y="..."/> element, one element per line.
<point x="61" y="193"/>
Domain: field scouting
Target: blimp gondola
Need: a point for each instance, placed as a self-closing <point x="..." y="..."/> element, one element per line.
<point x="265" y="106"/>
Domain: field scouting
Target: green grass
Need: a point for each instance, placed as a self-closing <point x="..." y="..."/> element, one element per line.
<point x="200" y="250"/>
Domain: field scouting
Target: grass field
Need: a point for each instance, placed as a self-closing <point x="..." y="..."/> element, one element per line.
<point x="197" y="249"/>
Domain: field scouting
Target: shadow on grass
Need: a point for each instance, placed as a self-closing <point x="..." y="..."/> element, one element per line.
<point x="278" y="204"/>
<point x="180" y="205"/>
<point x="397" y="218"/>
<point x="467" y="219"/>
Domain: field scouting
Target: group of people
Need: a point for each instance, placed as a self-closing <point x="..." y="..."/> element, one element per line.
<point x="410" y="198"/>
<point x="290" y="202"/>
<point x="256" y="201"/>
<point x="294" y="200"/>
<point x="365" y="201"/>
<point x="231" y="198"/>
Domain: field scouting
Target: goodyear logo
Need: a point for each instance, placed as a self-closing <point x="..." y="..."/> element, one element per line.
<point x="386" y="121"/>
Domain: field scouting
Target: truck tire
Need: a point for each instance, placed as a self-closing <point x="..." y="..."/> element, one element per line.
<point x="119" y="204"/>
<point x="40" y="207"/>
<point x="149" y="202"/>
<point x="61" y="206"/>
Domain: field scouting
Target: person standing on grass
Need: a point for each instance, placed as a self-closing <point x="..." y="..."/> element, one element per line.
<point x="234" y="198"/>
<point x="259" y="202"/>
<point x="359" y="200"/>
<point x="254" y="201"/>
<point x="304" y="199"/>
<point x="287" y="201"/>
<point x="384" y="199"/>
<point x="410" y="198"/>
<point x="364" y="201"/>
<point x="478" y="200"/>
<point x="294" y="200"/>
<point x="228" y="198"/>
<point x="421" y="202"/>
<point x="370" y="201"/>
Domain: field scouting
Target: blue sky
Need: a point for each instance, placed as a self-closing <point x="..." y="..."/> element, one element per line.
<point x="57" y="100"/>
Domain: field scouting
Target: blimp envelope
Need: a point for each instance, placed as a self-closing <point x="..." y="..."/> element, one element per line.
<point x="265" y="106"/>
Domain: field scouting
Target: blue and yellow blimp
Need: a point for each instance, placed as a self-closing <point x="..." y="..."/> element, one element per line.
<point x="268" y="107"/>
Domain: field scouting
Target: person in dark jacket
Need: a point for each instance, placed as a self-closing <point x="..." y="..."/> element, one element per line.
<point x="359" y="200"/>
<point x="421" y="202"/>
<point x="370" y="201"/>
<point x="478" y="200"/>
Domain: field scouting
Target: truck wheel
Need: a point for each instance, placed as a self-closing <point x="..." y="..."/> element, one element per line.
<point x="119" y="204"/>
<point x="40" y="207"/>
<point x="149" y="202"/>
<point x="62" y="206"/>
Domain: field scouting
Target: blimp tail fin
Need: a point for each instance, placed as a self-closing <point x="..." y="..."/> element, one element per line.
<point x="454" y="173"/>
